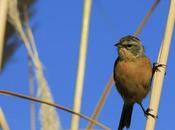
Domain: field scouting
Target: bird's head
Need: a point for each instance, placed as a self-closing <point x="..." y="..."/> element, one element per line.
<point x="129" y="47"/>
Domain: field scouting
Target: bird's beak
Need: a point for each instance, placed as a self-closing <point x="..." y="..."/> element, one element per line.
<point x="117" y="45"/>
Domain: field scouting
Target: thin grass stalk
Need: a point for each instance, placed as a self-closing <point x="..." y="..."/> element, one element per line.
<point x="100" y="103"/>
<point x="31" y="76"/>
<point x="14" y="19"/>
<point x="53" y="105"/>
<point x="3" y="18"/>
<point x="48" y="114"/>
<point x="3" y="122"/>
<point x="162" y="59"/>
<point x="81" y="63"/>
<point x="32" y="94"/>
<point x="29" y="32"/>
<point x="110" y="82"/>
<point x="148" y="14"/>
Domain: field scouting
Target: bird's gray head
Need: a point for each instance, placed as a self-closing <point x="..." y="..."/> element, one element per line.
<point x="129" y="47"/>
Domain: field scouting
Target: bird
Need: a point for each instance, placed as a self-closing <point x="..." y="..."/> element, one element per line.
<point x="132" y="75"/>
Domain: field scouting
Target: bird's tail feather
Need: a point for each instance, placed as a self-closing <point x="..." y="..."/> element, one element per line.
<point x="125" y="119"/>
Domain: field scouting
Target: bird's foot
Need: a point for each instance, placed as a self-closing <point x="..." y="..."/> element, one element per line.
<point x="156" y="67"/>
<point x="147" y="113"/>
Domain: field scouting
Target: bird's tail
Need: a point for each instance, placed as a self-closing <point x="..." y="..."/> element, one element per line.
<point x="125" y="119"/>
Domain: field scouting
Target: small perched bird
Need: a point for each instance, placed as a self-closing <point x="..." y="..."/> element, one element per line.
<point x="132" y="76"/>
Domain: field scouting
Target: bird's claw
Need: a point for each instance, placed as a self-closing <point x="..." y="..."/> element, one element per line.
<point x="147" y="113"/>
<point x="156" y="67"/>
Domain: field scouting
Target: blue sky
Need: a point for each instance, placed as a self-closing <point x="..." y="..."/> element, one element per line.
<point x="57" y="34"/>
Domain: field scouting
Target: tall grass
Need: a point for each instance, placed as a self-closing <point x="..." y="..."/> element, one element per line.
<point x="81" y="63"/>
<point x="48" y="115"/>
<point x="162" y="59"/>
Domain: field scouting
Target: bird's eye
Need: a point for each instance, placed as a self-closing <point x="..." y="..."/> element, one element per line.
<point x="129" y="46"/>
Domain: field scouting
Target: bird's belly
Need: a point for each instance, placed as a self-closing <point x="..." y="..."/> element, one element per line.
<point x="132" y="82"/>
<point x="130" y="89"/>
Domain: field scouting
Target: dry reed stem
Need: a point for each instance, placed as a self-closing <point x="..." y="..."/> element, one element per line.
<point x="53" y="105"/>
<point x="162" y="59"/>
<point x="14" y="19"/>
<point x="3" y="18"/>
<point x="142" y="24"/>
<point x="81" y="63"/>
<point x="47" y="114"/>
<point x="3" y="122"/>
<point x="31" y="73"/>
<point x="31" y="88"/>
<point x="101" y="103"/>
<point x="110" y="82"/>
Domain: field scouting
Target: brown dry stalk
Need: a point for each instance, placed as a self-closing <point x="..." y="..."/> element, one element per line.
<point x="81" y="63"/>
<point x="101" y="103"/>
<point x="3" y="18"/>
<point x="53" y="105"/>
<point x="3" y="121"/>
<point x="158" y="79"/>
<point x="110" y="82"/>
<point x="32" y="91"/>
<point x="145" y="19"/>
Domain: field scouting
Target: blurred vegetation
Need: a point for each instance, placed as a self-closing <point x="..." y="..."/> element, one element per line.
<point x="12" y="42"/>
